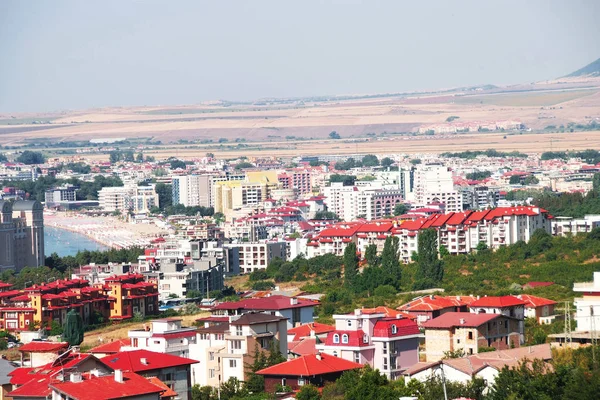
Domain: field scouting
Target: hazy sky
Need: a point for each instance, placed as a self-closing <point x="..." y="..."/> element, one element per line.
<point x="77" y="54"/>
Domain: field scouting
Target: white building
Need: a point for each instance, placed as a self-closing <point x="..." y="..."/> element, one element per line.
<point x="587" y="308"/>
<point x="366" y="201"/>
<point x="256" y="256"/>
<point x="139" y="199"/>
<point x="163" y="336"/>
<point x="434" y="184"/>
<point x="563" y="226"/>
<point x="193" y="190"/>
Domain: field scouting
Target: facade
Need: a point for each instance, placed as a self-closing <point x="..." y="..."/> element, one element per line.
<point x="165" y="336"/>
<point x="353" y="202"/>
<point x="226" y="350"/>
<point x="480" y="197"/>
<point x="563" y="226"/>
<point x="21" y="234"/>
<point x="587" y="307"/>
<point x="231" y="195"/>
<point x="434" y="184"/>
<point x="178" y="279"/>
<point x="509" y="306"/>
<point x="429" y="307"/>
<point x="256" y="256"/>
<point x="114" y="198"/>
<point x="193" y="190"/>
<point x="539" y="308"/>
<point x="298" y="179"/>
<point x="469" y="332"/>
<point x="388" y="344"/>
<point x="58" y="195"/>
<point x="138" y="199"/>
<point x="132" y="295"/>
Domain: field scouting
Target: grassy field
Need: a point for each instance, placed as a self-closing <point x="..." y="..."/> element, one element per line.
<point x="526" y="99"/>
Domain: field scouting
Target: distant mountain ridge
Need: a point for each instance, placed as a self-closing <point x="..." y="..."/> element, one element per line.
<point x="592" y="69"/>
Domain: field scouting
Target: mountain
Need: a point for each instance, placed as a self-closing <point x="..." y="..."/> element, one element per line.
<point x="592" y="69"/>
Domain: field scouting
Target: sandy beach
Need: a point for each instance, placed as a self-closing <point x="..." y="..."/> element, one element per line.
<point x="109" y="231"/>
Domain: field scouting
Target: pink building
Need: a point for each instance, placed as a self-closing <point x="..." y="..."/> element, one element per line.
<point x="388" y="344"/>
<point x="299" y="179"/>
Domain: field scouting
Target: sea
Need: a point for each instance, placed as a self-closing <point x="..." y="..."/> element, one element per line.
<point x="67" y="243"/>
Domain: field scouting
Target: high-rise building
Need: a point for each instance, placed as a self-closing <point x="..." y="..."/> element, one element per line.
<point x="21" y="234"/>
<point x="434" y="184"/>
<point x="193" y="190"/>
<point x="139" y="199"/>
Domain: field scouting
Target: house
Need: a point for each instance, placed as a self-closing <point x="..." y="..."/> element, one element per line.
<point x="469" y="332"/>
<point x="539" y="308"/>
<point x="119" y="385"/>
<point x="303" y="347"/>
<point x="315" y="369"/>
<point x="33" y="383"/>
<point x="164" y="336"/>
<point x="6" y="367"/>
<point x="174" y="371"/>
<point x="41" y="353"/>
<point x="388" y="344"/>
<point x="509" y="306"/>
<point x="296" y="311"/>
<point x="226" y="350"/>
<point x="432" y="306"/>
<point x="111" y="347"/>
<point x="311" y="329"/>
<point x="132" y="295"/>
<point x="483" y="365"/>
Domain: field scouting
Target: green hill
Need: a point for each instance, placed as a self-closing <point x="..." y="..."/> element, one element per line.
<point x="592" y="69"/>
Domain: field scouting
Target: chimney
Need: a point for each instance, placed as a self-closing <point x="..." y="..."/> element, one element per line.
<point x="118" y="375"/>
<point x="357" y="311"/>
<point x="398" y="316"/>
<point x="75" y="377"/>
<point x="458" y="298"/>
<point x="144" y="361"/>
<point x="318" y="356"/>
<point x="462" y="321"/>
<point x="293" y="301"/>
<point x="95" y="372"/>
<point x="431" y="296"/>
<point x="478" y="297"/>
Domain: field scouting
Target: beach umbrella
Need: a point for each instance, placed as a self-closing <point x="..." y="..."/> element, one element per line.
<point x="73" y="333"/>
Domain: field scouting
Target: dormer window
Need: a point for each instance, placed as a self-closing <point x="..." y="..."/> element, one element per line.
<point x="394" y="329"/>
<point x="345" y="338"/>
<point x="336" y="338"/>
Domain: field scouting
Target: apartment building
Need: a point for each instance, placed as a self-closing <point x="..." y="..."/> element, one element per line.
<point x="176" y="278"/>
<point x="587" y="307"/>
<point x="132" y="294"/>
<point x="21" y="234"/>
<point x="165" y="336"/>
<point x="138" y="199"/>
<point x="353" y="202"/>
<point x="333" y="240"/>
<point x="226" y="350"/>
<point x="388" y="344"/>
<point x="509" y="306"/>
<point x="298" y="179"/>
<point x="563" y="226"/>
<point x="58" y="195"/>
<point x="193" y="190"/>
<point x="255" y="256"/>
<point x="434" y="184"/>
<point x="230" y="195"/>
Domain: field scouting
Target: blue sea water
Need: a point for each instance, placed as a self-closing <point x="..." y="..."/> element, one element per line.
<point x="67" y="243"/>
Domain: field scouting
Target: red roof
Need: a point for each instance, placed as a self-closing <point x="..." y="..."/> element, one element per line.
<point x="305" y="330"/>
<point x="43" y="347"/>
<point x="388" y="312"/>
<point x="497" y="301"/>
<point x="168" y="392"/>
<point x="106" y="387"/>
<point x="355" y="338"/>
<point x="378" y="226"/>
<point x="276" y="302"/>
<point x="110" y="347"/>
<point x="429" y="303"/>
<point x="403" y="327"/>
<point x="463" y="319"/>
<point x="538" y="284"/>
<point x="303" y="347"/>
<point x="132" y="360"/>
<point x="311" y="365"/>
<point x="535" y="301"/>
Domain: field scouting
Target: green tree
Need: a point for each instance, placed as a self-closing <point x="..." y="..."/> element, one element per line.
<point x="244" y="165"/>
<point x="140" y="157"/>
<point x="177" y="164"/>
<point x="326" y="215"/>
<point x="515" y="180"/>
<point x="386" y="162"/>
<point x="115" y="156"/>
<point x="73" y="330"/>
<point x="370" y="160"/>
<point x="400" y="209"/>
<point x="56" y="328"/>
<point x="596" y="183"/>
<point x="334" y="135"/>
<point x="415" y="161"/>
<point x="165" y="195"/>
<point x="350" y="265"/>
<point x="371" y="255"/>
<point x="31" y="157"/>
<point x="308" y="392"/>
<point x="430" y="268"/>
<point x="3" y="158"/>
<point x="390" y="262"/>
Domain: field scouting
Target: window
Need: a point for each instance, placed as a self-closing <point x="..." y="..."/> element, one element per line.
<point x="236" y="344"/>
<point x="301" y="382"/>
<point x="283" y="382"/>
<point x="335" y="354"/>
<point x="211" y="373"/>
<point x="211" y="356"/>
<point x="384" y="347"/>
<point x="232" y="363"/>
<point x="345" y="338"/>
<point x="238" y="330"/>
<point x="394" y="329"/>
<point x="357" y="357"/>
<point x="336" y="338"/>
<point x="349" y="323"/>
<point x="366" y="339"/>
<point x="470" y="335"/>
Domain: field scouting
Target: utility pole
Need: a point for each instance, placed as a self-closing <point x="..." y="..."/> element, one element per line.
<point x="568" y="336"/>
<point x="593" y="335"/>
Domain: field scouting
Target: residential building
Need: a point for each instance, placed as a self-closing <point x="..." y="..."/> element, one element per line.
<point x="144" y="199"/>
<point x="539" y="308"/>
<point x="173" y="371"/>
<point x="563" y="226"/>
<point x="298" y="179"/>
<point x="201" y="277"/>
<point x="193" y="190"/>
<point x="226" y="350"/>
<point x="163" y="336"/>
<point x="231" y="195"/>
<point x="36" y="354"/>
<point x="137" y="199"/>
<point x="314" y="369"/>
<point x="21" y="234"/>
<point x="353" y="202"/>
<point x="311" y="329"/>
<point x="256" y="256"/>
<point x="480" y="197"/>
<point x="6" y="369"/>
<point x="469" y="332"/>
<point x="114" y="198"/>
<point x="509" y="306"/>
<point x="426" y="308"/>
<point x="112" y="347"/>
<point x="434" y="184"/>
<point x="587" y="308"/>
<point x="58" y="195"/>
<point x="132" y="295"/>
<point x="388" y="344"/>
<point x="485" y="366"/>
<point x="295" y="311"/>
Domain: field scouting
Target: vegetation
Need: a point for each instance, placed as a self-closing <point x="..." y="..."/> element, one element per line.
<point x="590" y="156"/>
<point x="73" y="329"/>
<point x="452" y="118"/>
<point x="327" y="215"/>
<point x="430" y="268"/>
<point x="334" y="135"/>
<point x="370" y="160"/>
<point x="31" y="157"/>
<point x="87" y="190"/>
<point x="347" y="164"/>
<point x="244" y="165"/>
<point x="400" y="209"/>
<point x="348" y="180"/>
<point x="386" y="162"/>
<point x="3" y="158"/>
<point x="471" y="154"/>
<point x="478" y="175"/>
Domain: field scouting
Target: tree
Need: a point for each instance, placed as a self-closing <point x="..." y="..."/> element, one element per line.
<point x="334" y="135"/>
<point x="596" y="183"/>
<point x="210" y="155"/>
<point x="515" y="180"/>
<point x="30" y="157"/>
<point x="371" y="255"/>
<point x="140" y="157"/>
<point x="347" y="180"/>
<point x="244" y="165"/>
<point x="386" y="162"/>
<point x="326" y="215"/>
<point x="177" y="164"/>
<point x="370" y="160"/>
<point x="3" y="158"/>
<point x="350" y="265"/>
<point x="114" y="156"/>
<point x="308" y="392"/>
<point x="481" y="246"/>
<point x="415" y="161"/>
<point x="430" y="269"/>
<point x="390" y="262"/>
<point x="165" y="195"/>
<point x="531" y="180"/>
<point x="400" y="209"/>
<point x="73" y="331"/>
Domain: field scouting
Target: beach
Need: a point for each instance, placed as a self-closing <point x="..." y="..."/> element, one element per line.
<point x="108" y="231"/>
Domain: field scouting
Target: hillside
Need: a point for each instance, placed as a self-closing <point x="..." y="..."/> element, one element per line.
<point x="592" y="69"/>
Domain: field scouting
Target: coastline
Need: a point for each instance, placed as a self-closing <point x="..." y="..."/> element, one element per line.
<point x="89" y="236"/>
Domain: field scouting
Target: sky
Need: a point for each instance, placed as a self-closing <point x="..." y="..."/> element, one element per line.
<point x="64" y="55"/>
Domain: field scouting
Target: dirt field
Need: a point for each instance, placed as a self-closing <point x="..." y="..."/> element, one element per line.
<point x="535" y="105"/>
